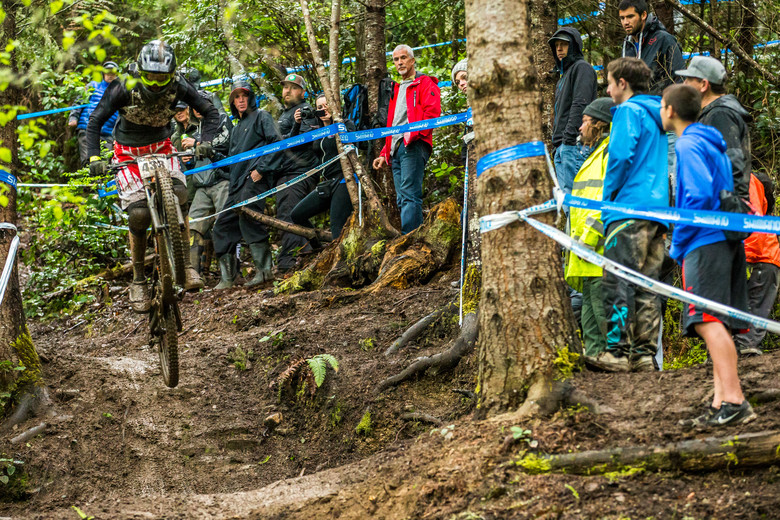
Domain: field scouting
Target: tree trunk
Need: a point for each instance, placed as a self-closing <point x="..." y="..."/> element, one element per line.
<point x="665" y="13"/>
<point x="16" y="345"/>
<point x="746" y="34"/>
<point x="525" y="316"/>
<point x="613" y="34"/>
<point x="544" y="23"/>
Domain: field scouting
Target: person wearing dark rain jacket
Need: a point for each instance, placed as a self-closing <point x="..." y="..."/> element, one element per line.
<point x="574" y="91"/>
<point x="331" y="194"/>
<point x="79" y="117"/>
<point x="252" y="128"/>
<point x="647" y="39"/>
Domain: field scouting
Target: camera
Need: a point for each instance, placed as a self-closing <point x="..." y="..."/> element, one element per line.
<point x="307" y="112"/>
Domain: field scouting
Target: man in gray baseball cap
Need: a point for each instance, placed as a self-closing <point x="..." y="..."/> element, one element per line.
<point x="725" y="113"/>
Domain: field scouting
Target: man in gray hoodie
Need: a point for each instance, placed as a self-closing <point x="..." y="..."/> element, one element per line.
<point x="574" y="91"/>
<point x="725" y="113"/>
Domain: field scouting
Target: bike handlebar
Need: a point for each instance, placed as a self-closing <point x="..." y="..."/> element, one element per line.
<point x="117" y="166"/>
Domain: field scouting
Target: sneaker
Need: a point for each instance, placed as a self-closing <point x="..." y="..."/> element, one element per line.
<point x="140" y="301"/>
<point x="643" y="364"/>
<point x="731" y="414"/>
<point x="608" y="362"/>
<point x="749" y="351"/>
<point x="700" y="421"/>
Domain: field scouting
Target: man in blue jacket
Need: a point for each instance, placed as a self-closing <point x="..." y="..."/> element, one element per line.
<point x="637" y="176"/>
<point x="80" y="116"/>
<point x="713" y="267"/>
<point x="574" y="91"/>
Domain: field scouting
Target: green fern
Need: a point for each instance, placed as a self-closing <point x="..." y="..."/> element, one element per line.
<point x="319" y="366"/>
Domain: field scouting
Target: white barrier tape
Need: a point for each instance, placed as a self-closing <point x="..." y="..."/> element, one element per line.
<point x="9" y="260"/>
<point x="634" y="277"/>
<point x="277" y="189"/>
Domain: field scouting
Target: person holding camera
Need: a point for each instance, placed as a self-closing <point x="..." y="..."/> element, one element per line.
<point x="332" y="192"/>
<point x="297" y="118"/>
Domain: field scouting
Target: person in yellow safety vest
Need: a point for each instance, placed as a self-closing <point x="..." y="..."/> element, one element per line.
<point x="586" y="226"/>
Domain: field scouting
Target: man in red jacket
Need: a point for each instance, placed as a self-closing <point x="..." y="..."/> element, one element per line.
<point x="763" y="262"/>
<point x="417" y="97"/>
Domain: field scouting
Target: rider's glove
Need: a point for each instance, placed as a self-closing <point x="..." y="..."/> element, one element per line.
<point x="203" y="151"/>
<point x="97" y="166"/>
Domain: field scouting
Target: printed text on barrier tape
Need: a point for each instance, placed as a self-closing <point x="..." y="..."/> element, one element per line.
<point x="378" y="133"/>
<point x="519" y="151"/>
<point x="8" y="178"/>
<point x="700" y="218"/>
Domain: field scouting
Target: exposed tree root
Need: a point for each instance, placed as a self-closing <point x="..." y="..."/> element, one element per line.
<point x="443" y="361"/>
<point x="765" y="396"/>
<point x="33" y="402"/>
<point x="713" y="453"/>
<point x="29" y="434"/>
<point x="309" y="233"/>
<point x="422" y="417"/>
<point x="416" y="330"/>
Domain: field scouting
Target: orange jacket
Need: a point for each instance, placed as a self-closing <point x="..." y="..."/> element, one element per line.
<point x="761" y="247"/>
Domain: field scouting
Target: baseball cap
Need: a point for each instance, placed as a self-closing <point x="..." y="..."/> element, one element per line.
<point x="704" y="67"/>
<point x="560" y="36"/>
<point x="295" y="79"/>
<point x="111" y="66"/>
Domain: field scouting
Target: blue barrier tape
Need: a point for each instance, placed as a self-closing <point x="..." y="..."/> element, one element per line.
<point x="52" y="111"/>
<point x="378" y="133"/>
<point x="519" y="151"/>
<point x="699" y="218"/>
<point x="8" y="178"/>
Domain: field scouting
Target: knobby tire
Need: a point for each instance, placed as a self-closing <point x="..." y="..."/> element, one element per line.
<point x="168" y="346"/>
<point x="172" y="232"/>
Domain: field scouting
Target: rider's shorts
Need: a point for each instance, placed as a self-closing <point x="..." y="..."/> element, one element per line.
<point x="128" y="179"/>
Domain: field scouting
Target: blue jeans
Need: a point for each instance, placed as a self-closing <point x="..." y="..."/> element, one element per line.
<point x="568" y="160"/>
<point x="408" y="169"/>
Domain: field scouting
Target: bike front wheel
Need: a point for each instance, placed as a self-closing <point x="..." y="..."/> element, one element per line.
<point x="173" y="261"/>
<point x="168" y="346"/>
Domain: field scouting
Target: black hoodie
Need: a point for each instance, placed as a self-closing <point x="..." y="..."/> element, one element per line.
<point x="659" y="50"/>
<point x="252" y="129"/>
<point x="575" y="90"/>
<point x="728" y="116"/>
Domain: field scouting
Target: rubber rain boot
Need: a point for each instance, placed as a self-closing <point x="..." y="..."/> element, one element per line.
<point x="196" y="250"/>
<point x="228" y="270"/>
<point x="140" y="300"/>
<point x="261" y="255"/>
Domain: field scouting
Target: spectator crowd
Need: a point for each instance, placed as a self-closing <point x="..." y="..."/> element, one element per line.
<point x="665" y="135"/>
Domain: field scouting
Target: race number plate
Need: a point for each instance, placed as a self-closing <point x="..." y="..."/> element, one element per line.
<point x="149" y="166"/>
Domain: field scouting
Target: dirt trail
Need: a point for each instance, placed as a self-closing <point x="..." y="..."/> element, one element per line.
<point x="135" y="449"/>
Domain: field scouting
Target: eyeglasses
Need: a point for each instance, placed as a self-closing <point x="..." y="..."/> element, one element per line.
<point x="155" y="79"/>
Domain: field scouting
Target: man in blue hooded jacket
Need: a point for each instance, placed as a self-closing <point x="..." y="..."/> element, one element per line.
<point x="713" y="266"/>
<point x="575" y="90"/>
<point x="79" y="117"/>
<point x="637" y="176"/>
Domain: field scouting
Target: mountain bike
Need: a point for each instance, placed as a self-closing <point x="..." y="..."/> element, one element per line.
<point x="167" y="233"/>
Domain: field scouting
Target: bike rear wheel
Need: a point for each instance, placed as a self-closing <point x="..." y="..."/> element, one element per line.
<point x="172" y="235"/>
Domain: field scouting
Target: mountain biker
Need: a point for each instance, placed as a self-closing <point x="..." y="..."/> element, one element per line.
<point x="144" y="127"/>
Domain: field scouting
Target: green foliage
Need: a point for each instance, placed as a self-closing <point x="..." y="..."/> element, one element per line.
<point x="13" y="480"/>
<point x="364" y="426"/>
<point x="241" y="358"/>
<point x="277" y="339"/>
<point x="695" y="355"/>
<point x="319" y="366"/>
<point x="534" y="464"/>
<point x="573" y="491"/>
<point x="336" y="415"/>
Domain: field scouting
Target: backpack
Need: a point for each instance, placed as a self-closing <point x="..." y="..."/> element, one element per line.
<point x="386" y="93"/>
<point x="356" y="106"/>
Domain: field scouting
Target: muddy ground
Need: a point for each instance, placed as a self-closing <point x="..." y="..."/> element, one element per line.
<point x="125" y="446"/>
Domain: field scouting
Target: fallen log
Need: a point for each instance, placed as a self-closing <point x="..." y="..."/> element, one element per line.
<point x="696" y="455"/>
<point x="110" y="273"/>
<point x="309" y="233"/>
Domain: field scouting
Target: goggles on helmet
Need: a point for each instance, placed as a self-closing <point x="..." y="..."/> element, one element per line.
<point x="155" y="79"/>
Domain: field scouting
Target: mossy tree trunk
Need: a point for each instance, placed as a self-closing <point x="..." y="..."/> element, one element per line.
<point x="16" y="346"/>
<point x="524" y="312"/>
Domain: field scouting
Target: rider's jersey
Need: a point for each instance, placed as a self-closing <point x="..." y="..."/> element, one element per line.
<point x="143" y="122"/>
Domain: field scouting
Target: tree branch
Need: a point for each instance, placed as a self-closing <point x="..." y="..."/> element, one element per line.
<point x="309" y="233"/>
<point x="725" y="40"/>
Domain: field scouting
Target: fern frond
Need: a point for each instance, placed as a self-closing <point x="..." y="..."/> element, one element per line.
<point x="318" y="369"/>
<point x="334" y="364"/>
